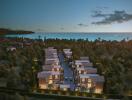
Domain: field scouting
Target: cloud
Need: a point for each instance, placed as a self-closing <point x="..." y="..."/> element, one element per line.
<point x="102" y="7"/>
<point x="39" y="29"/>
<point x="116" y="16"/>
<point x="83" y="25"/>
<point x="62" y="28"/>
<point x="98" y="13"/>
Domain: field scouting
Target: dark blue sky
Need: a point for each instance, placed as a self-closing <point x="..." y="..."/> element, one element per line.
<point x="67" y="15"/>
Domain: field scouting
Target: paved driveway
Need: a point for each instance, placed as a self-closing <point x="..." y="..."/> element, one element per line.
<point x="68" y="73"/>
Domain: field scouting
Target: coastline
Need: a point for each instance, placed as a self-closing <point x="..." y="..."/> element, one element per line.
<point x="4" y="31"/>
<point x="76" y="36"/>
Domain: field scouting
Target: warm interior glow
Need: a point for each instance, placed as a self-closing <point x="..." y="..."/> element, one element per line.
<point x="57" y="69"/>
<point x="89" y="85"/>
<point x="50" y="81"/>
<point x="85" y="72"/>
<point x="65" y="89"/>
<point x="50" y="77"/>
<point x="98" y="90"/>
<point x="89" y="80"/>
<point x="43" y="86"/>
<point x="56" y="76"/>
<point x="83" y="79"/>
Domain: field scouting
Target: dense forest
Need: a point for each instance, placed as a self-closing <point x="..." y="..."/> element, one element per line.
<point x="20" y="66"/>
<point x="113" y="59"/>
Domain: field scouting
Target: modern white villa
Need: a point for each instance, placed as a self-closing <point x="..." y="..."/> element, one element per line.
<point x="87" y="79"/>
<point x="50" y="79"/>
<point x="52" y="75"/>
<point x="90" y="83"/>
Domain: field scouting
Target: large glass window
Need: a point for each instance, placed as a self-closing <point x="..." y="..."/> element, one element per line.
<point x="89" y="85"/>
<point x="98" y="90"/>
<point x="89" y="80"/>
<point x="50" y="81"/>
<point x="50" y="77"/>
<point x="57" y="69"/>
<point x="83" y="79"/>
<point x="44" y="86"/>
<point x="56" y="76"/>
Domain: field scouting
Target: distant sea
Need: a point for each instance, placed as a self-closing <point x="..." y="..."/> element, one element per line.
<point x="71" y="35"/>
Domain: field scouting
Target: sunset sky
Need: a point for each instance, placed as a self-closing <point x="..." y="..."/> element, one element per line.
<point x="67" y="15"/>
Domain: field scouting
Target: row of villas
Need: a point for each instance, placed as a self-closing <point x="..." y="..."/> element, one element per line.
<point x="86" y="78"/>
<point x="51" y="76"/>
<point x="85" y="75"/>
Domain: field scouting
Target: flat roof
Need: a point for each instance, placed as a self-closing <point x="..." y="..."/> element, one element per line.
<point x="49" y="59"/>
<point x="95" y="77"/>
<point x="45" y="74"/>
<point x="64" y="85"/>
<point x="84" y="58"/>
<point x="88" y="75"/>
<point x="86" y="68"/>
<point x="49" y="67"/>
<point x="66" y="49"/>
<point x="81" y="61"/>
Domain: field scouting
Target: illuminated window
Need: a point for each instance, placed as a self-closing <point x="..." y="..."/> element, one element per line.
<point x="43" y="86"/>
<point x="65" y="89"/>
<point x="89" y="80"/>
<point x="56" y="76"/>
<point x="50" y="81"/>
<point x="98" y="90"/>
<point x="42" y="81"/>
<point x="83" y="79"/>
<point x="89" y="85"/>
<point x="79" y="71"/>
<point x="57" y="69"/>
<point x="50" y="77"/>
<point x="57" y="63"/>
<point x="85" y="72"/>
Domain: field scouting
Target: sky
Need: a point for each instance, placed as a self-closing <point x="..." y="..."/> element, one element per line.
<point x="67" y="15"/>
